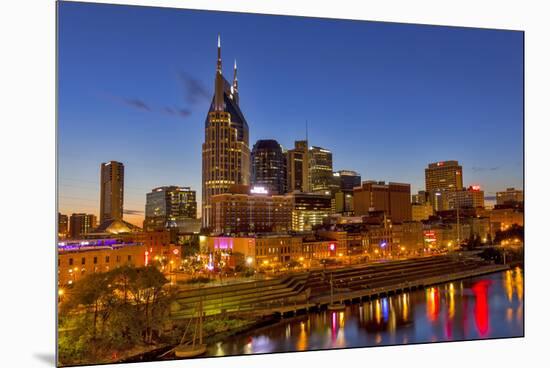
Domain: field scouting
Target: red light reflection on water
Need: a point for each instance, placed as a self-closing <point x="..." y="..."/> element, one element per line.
<point x="433" y="304"/>
<point x="481" y="307"/>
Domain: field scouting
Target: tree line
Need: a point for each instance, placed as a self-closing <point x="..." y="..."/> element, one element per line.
<point x="105" y="314"/>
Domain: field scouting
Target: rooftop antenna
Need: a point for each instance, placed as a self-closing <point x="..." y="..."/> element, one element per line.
<point x="306" y="134"/>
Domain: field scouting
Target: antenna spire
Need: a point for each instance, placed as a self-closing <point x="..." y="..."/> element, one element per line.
<point x="219" y="65"/>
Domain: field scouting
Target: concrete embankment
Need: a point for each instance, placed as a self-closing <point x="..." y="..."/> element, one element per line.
<point x="302" y="292"/>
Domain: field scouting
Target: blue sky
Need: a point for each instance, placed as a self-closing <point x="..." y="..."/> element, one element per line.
<point x="135" y="84"/>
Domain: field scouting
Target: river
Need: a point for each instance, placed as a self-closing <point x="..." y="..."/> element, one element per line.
<point x="489" y="306"/>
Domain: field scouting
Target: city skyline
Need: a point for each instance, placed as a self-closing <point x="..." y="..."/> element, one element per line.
<point x="162" y="112"/>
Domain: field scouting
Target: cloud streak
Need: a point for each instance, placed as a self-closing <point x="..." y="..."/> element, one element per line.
<point x="194" y="90"/>
<point x="481" y="169"/>
<point x="133" y="212"/>
<point x="137" y="103"/>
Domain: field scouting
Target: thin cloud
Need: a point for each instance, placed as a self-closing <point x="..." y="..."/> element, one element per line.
<point x="193" y="89"/>
<point x="181" y="112"/>
<point x="137" y="103"/>
<point x="133" y="212"/>
<point x="481" y="169"/>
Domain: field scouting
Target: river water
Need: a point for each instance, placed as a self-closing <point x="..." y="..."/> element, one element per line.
<point x="488" y="306"/>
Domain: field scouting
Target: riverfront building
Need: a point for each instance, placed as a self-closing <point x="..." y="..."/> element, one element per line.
<point x="225" y="151"/>
<point x="80" y="257"/>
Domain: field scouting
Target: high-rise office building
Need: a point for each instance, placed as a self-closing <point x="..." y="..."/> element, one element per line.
<point x="309" y="210"/>
<point x="168" y="206"/>
<point x="392" y="198"/>
<point x="269" y="166"/>
<point x="343" y="182"/>
<point x="320" y="169"/>
<point x="112" y="191"/>
<point x="349" y="179"/>
<point x="510" y="196"/>
<point x="441" y="177"/>
<point x="62" y="225"/>
<point x="298" y="167"/>
<point x="225" y="151"/>
<point x="81" y="223"/>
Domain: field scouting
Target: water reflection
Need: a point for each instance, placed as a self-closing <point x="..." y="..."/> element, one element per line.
<point x="489" y="306"/>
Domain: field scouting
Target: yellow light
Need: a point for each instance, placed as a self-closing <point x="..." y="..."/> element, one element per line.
<point x="249" y="260"/>
<point x="60" y="292"/>
<point x="301" y="259"/>
<point x="266" y="262"/>
<point x="403" y="248"/>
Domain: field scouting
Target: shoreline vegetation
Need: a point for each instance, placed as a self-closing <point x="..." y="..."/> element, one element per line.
<point x="123" y="316"/>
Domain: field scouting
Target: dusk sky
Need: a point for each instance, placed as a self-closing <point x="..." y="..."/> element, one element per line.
<point x="135" y="84"/>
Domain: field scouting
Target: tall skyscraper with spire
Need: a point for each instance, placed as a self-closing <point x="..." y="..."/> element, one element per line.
<point x="225" y="151"/>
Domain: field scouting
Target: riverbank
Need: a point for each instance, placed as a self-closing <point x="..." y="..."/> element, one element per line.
<point x="251" y="323"/>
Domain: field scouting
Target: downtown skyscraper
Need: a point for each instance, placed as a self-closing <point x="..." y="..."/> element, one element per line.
<point x="112" y="191"/>
<point x="225" y="151"/>
<point x="269" y="166"/>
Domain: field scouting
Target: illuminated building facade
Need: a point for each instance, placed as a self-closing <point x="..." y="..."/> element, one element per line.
<point x="81" y="224"/>
<point x="225" y="151"/>
<point x="472" y="197"/>
<point x="421" y="197"/>
<point x="342" y="191"/>
<point x="421" y="211"/>
<point x="441" y="177"/>
<point x="394" y="199"/>
<point x="112" y="191"/>
<point x="510" y="196"/>
<point x="298" y="167"/>
<point x="320" y="169"/>
<point x="62" y="225"/>
<point x="78" y="258"/>
<point x="504" y="218"/>
<point x="309" y="209"/>
<point x="269" y="166"/>
<point x="258" y="250"/>
<point x="243" y="210"/>
<point x="168" y="206"/>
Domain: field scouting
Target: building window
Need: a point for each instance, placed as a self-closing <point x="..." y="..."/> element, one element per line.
<point x="106" y="259"/>
<point x="95" y="260"/>
<point x="129" y="258"/>
<point x="83" y="260"/>
<point x="70" y="261"/>
<point x="117" y="259"/>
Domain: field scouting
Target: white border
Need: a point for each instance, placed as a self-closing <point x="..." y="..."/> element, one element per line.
<point x="28" y="181"/>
